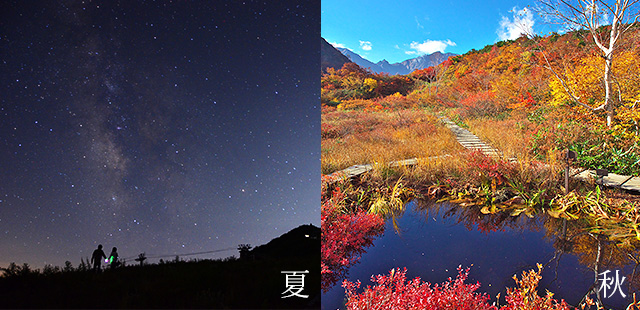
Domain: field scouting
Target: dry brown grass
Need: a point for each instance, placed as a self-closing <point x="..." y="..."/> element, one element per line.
<point x="505" y="135"/>
<point x="436" y="170"/>
<point x="512" y="137"/>
<point x="358" y="137"/>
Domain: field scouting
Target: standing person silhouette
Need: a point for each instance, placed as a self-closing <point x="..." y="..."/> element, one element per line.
<point x="113" y="258"/>
<point x="97" y="257"/>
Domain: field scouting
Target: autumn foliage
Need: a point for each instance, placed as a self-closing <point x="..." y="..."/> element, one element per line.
<point x="394" y="291"/>
<point x="346" y="232"/>
<point x="509" y="75"/>
<point x="510" y="81"/>
<point x="506" y="95"/>
<point x="354" y="83"/>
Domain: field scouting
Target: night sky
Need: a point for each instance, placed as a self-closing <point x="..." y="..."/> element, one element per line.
<point x="165" y="127"/>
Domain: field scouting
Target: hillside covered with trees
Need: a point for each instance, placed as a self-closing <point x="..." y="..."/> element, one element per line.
<point x="529" y="85"/>
<point x="531" y="98"/>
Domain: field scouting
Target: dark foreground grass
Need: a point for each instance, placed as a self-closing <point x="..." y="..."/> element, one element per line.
<point x="254" y="282"/>
<point x="203" y="284"/>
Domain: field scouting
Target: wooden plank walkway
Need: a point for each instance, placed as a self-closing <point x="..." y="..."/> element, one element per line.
<point x="612" y="180"/>
<point x="472" y="142"/>
<point x="469" y="140"/>
<point x="356" y="170"/>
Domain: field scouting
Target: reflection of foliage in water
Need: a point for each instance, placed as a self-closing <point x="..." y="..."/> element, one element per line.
<point x="568" y="236"/>
<point x="595" y="251"/>
<point x="352" y="216"/>
<point x="347" y="230"/>
<point x="470" y="217"/>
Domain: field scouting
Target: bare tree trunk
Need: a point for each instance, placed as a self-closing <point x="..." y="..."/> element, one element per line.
<point x="596" y="268"/>
<point x="608" y="103"/>
<point x="614" y="34"/>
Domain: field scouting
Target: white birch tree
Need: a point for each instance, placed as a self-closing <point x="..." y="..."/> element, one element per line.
<point x="591" y="15"/>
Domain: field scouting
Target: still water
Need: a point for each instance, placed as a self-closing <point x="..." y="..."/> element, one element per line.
<point x="433" y="240"/>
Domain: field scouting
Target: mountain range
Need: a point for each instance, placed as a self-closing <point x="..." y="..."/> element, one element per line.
<point x="330" y="57"/>
<point x="402" y="68"/>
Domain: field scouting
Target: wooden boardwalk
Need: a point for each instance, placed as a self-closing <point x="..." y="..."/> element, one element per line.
<point x="472" y="142"/>
<point x="469" y="140"/>
<point x="612" y="180"/>
<point x="356" y="170"/>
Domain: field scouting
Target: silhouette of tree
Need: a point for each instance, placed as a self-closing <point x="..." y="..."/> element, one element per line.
<point x="25" y="270"/>
<point x="49" y="269"/>
<point x="68" y="267"/>
<point x="11" y="270"/>
<point x="141" y="258"/>
<point x="244" y="250"/>
<point x="15" y="270"/>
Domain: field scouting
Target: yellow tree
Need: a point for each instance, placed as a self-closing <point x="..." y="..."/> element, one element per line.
<point x="591" y="15"/>
<point x="582" y="76"/>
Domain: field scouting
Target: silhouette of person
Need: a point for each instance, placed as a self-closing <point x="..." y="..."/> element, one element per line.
<point x="97" y="257"/>
<point x="113" y="258"/>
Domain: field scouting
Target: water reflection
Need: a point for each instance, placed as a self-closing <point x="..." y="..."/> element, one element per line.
<point x="344" y="238"/>
<point x="433" y="239"/>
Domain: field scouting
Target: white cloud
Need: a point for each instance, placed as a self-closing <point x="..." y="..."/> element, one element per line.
<point x="418" y="23"/>
<point x="522" y="23"/>
<point x="429" y="47"/>
<point x="336" y="45"/>
<point x="365" y="45"/>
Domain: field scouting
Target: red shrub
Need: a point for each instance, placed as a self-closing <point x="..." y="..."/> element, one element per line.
<point x="486" y="170"/>
<point x="345" y="234"/>
<point x="394" y="292"/>
<point x="480" y="103"/>
<point x="328" y="132"/>
<point x="525" y="295"/>
<point x="327" y="109"/>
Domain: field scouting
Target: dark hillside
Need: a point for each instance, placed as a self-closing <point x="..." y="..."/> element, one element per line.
<point x="228" y="283"/>
<point x="300" y="240"/>
<point x="330" y="57"/>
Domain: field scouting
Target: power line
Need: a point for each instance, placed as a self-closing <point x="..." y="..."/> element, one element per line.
<point x="187" y="254"/>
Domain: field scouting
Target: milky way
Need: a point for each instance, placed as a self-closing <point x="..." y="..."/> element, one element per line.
<point x="158" y="127"/>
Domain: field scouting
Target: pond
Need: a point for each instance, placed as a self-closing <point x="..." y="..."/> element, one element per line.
<point x="434" y="239"/>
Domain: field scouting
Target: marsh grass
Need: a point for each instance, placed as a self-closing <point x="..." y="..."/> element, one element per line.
<point x="507" y="135"/>
<point x="617" y="218"/>
<point x="359" y="137"/>
<point x="530" y="185"/>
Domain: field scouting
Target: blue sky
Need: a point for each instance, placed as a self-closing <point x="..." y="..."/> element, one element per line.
<point x="404" y="29"/>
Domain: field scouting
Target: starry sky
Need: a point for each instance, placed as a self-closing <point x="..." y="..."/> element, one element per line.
<point x="164" y="127"/>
